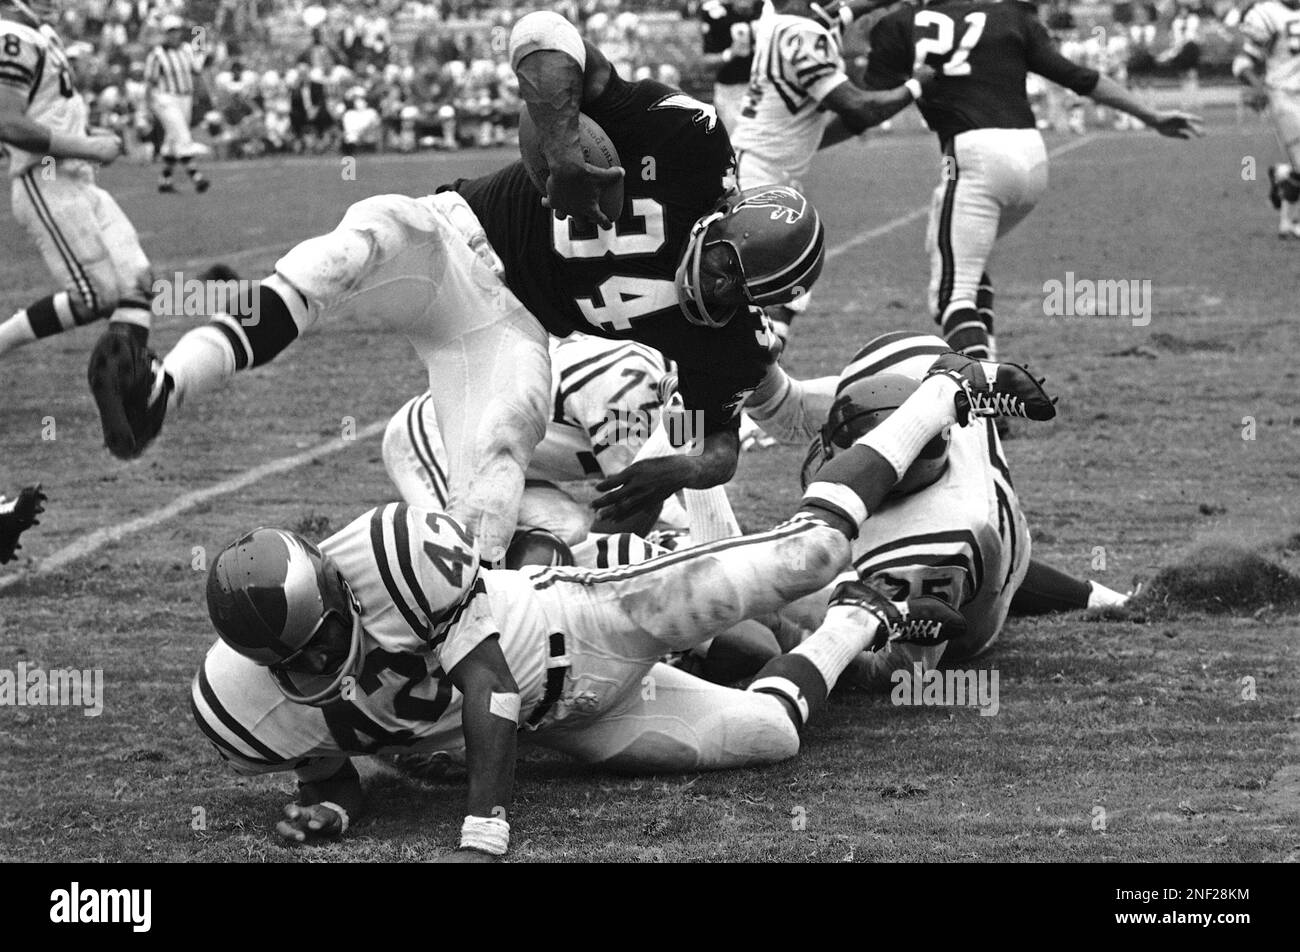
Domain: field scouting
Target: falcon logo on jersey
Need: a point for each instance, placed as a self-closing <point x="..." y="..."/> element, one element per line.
<point x="785" y="203"/>
<point x="704" y="113"/>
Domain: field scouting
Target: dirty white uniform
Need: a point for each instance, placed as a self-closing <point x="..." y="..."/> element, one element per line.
<point x="424" y="266"/>
<point x="605" y="401"/>
<point x="963" y="539"/>
<point x="582" y="645"/>
<point x="1271" y="31"/>
<point x="86" y="240"/>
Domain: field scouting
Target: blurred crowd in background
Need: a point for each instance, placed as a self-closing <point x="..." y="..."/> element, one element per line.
<point x="288" y="76"/>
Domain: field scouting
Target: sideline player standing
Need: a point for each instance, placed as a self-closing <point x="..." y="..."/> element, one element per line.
<point x="87" y="242"/>
<point x="1269" y="64"/>
<point x="728" y="31"/>
<point x="994" y="166"/>
<point x="171" y="70"/>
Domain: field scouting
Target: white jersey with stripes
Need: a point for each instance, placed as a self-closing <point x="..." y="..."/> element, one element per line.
<point x="33" y="62"/>
<point x="797" y="63"/>
<point x="425" y="605"/>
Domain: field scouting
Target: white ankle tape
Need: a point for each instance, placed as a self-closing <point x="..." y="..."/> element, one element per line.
<point x="837" y="498"/>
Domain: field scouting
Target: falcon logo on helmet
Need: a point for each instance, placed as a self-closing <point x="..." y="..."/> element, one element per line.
<point x="778" y="243"/>
<point x="279" y="601"/>
<point x="858" y="409"/>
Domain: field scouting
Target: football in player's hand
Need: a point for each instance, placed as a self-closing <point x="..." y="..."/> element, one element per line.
<point x="597" y="149"/>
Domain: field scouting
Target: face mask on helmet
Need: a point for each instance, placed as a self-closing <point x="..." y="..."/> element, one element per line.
<point x="859" y="409"/>
<point x="537" y="547"/>
<point x="764" y="246"/>
<point x="278" y="601"/>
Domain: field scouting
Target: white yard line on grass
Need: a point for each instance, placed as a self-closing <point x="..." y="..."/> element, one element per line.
<point x="94" y="541"/>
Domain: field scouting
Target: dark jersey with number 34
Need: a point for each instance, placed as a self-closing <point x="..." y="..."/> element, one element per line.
<point x="982" y="51"/>
<point x="619" y="283"/>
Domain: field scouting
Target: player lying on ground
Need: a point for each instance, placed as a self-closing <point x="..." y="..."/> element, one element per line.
<point x="952" y="527"/>
<point x="1269" y="66"/>
<point x="478" y="274"/>
<point x="88" y="244"/>
<point x="994" y="168"/>
<point x="391" y="638"/>
<point x="17" y="515"/>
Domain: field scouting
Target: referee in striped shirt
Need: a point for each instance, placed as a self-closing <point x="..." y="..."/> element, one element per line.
<point x="170" y="71"/>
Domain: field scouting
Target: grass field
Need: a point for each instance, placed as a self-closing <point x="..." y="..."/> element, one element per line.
<point x="1146" y="717"/>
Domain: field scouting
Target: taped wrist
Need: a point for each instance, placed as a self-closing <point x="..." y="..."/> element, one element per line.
<point x="546" y="30"/>
<point x="488" y="834"/>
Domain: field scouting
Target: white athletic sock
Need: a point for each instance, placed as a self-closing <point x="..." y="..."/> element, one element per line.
<point x="15" y="332"/>
<point x="843" y="635"/>
<point x="710" y="514"/>
<point x="201" y="361"/>
<point x="922" y="417"/>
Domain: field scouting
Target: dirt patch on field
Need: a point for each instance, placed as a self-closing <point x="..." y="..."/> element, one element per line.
<point x="1220" y="580"/>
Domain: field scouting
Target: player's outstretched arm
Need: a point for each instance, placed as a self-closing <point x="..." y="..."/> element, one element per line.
<point x="647" y="483"/>
<point x="1171" y="123"/>
<point x="858" y="110"/>
<point x="490" y="713"/>
<point x="23" y="133"/>
<point x="557" y="73"/>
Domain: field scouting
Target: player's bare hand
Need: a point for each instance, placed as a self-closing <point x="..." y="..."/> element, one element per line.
<point x="645" y="483"/>
<point x="302" y="824"/>
<point x="467" y="856"/>
<point x="573" y="190"/>
<point x="1255" y="98"/>
<point x="1177" y="125"/>
<point x="104" y="148"/>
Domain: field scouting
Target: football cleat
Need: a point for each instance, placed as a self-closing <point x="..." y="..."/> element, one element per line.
<point x="1274" y="188"/>
<point x="994" y="389"/>
<point x="918" y="621"/>
<point x="16" y="516"/>
<point x="131" y="389"/>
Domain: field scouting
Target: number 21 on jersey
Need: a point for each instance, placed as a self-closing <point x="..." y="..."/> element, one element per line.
<point x="942" y="42"/>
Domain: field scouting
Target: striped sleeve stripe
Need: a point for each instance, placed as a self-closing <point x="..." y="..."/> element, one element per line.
<point x="585" y="577"/>
<point x="379" y="545"/>
<point x="262" y="754"/>
<point x="402" y="538"/>
<point x="805" y="73"/>
<point x="774" y="67"/>
<point x="608" y="361"/>
<point x="17" y="71"/>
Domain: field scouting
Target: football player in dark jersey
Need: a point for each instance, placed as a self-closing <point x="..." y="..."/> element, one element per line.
<point x="729" y="46"/>
<point x="478" y="274"/>
<point x="994" y="167"/>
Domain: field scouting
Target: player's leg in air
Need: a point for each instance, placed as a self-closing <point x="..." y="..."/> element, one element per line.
<point x="1284" y="178"/>
<point x="91" y="249"/>
<point x="17" y="515"/>
<point x="992" y="178"/>
<point x="618" y="623"/>
<point x="422" y="266"/>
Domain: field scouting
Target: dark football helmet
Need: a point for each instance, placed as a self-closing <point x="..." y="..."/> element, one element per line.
<point x="279" y="601"/>
<point x="858" y="409"/>
<point x="537" y="547"/>
<point x="779" y="246"/>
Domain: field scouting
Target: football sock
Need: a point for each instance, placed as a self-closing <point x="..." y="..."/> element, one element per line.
<point x="1046" y="589"/>
<point x="791" y="410"/>
<point x="855" y="483"/>
<point x="208" y="356"/>
<point x="134" y="311"/>
<point x="965" y="331"/>
<point x="49" y="316"/>
<point x="984" y="307"/>
<point x="710" y="513"/>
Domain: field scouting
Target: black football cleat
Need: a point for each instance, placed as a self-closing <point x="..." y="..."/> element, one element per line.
<point x="919" y="621"/>
<point x="16" y="516"/>
<point x="130" y="388"/>
<point x="201" y="184"/>
<point x="994" y="389"/>
<point x="1274" y="188"/>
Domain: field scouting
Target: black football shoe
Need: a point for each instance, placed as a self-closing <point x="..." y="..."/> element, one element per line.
<point x="918" y="621"/>
<point x="994" y="389"/>
<point x="16" y="516"/>
<point x="130" y="388"/>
